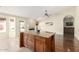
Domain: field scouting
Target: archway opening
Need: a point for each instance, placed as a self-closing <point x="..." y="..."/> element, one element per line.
<point x="69" y="26"/>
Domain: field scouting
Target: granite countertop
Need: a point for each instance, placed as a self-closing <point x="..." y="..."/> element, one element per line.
<point x="42" y="34"/>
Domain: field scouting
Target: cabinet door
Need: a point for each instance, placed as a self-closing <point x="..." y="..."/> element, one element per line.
<point x="53" y="43"/>
<point x="22" y="39"/>
<point x="25" y="40"/>
<point x="31" y="41"/>
<point x="39" y="46"/>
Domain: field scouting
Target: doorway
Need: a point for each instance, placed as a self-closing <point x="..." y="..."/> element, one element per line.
<point x="3" y="34"/>
<point x="69" y="26"/>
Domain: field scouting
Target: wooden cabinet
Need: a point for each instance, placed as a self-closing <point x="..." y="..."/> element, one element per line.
<point x="21" y="39"/>
<point x="69" y="31"/>
<point x="25" y="40"/>
<point x="53" y="43"/>
<point x="30" y="42"/>
<point x="39" y="43"/>
<point x="44" y="44"/>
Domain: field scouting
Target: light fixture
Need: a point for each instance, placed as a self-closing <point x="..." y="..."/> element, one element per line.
<point x="46" y="14"/>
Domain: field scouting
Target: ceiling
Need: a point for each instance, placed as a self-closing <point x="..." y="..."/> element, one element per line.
<point x="30" y="11"/>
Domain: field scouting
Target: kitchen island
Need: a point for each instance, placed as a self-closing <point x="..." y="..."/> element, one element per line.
<point x="39" y="42"/>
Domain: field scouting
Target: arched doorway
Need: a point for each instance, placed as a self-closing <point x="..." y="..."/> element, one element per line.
<point x="69" y="26"/>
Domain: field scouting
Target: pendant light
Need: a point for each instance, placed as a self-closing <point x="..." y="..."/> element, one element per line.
<point x="46" y="14"/>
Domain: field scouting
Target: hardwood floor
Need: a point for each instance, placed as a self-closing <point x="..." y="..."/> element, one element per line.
<point x="66" y="43"/>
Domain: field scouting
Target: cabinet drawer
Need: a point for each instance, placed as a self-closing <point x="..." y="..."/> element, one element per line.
<point x="30" y="39"/>
<point x="40" y="38"/>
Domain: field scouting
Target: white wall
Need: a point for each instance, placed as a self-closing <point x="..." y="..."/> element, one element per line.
<point x="44" y="27"/>
<point x="8" y="41"/>
<point x="77" y="23"/>
<point x="57" y="20"/>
